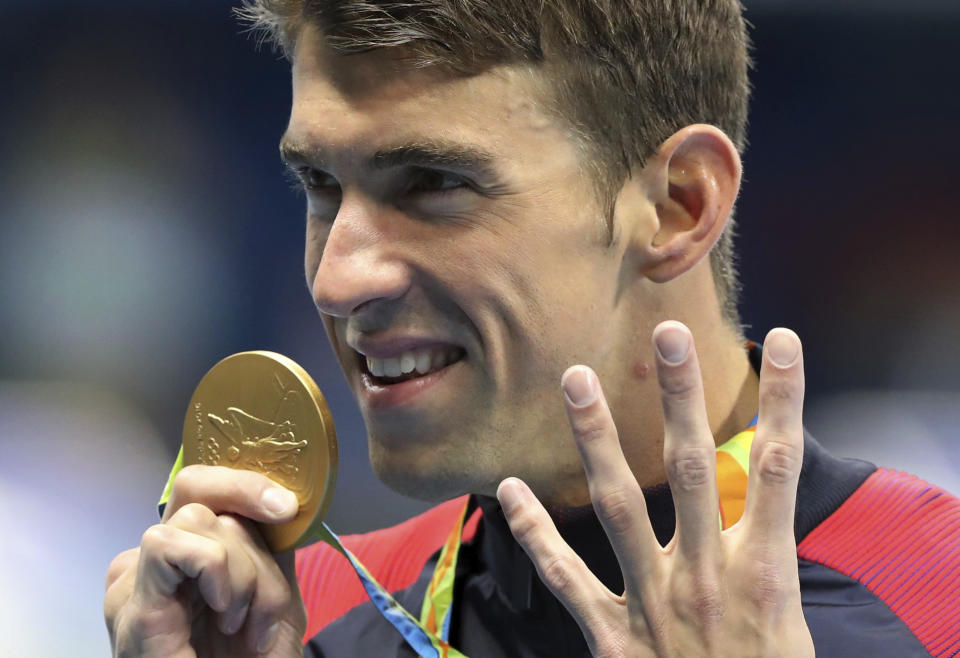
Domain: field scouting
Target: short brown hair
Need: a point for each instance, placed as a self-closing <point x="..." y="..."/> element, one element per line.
<point x="625" y="74"/>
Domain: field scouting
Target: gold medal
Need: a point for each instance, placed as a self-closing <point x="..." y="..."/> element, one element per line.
<point x="262" y="412"/>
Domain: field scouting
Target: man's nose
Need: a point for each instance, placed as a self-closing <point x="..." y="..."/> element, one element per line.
<point x="361" y="262"/>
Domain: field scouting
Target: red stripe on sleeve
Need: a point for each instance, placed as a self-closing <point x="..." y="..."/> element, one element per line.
<point x="394" y="556"/>
<point x="900" y="538"/>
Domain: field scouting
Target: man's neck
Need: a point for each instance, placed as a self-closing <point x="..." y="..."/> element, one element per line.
<point x="731" y="390"/>
<point x="734" y="410"/>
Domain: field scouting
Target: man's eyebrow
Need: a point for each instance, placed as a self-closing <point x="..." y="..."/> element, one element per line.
<point x="447" y="155"/>
<point x="442" y="154"/>
<point x="294" y="153"/>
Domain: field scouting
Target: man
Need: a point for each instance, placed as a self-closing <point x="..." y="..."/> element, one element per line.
<point x="497" y="192"/>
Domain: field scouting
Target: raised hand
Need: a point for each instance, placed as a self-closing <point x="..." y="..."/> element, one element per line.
<point x="203" y="583"/>
<point x="734" y="593"/>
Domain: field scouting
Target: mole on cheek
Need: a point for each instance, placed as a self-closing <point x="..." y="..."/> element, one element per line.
<point x="641" y="370"/>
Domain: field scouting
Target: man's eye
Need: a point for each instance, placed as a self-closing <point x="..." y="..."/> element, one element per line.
<point x="426" y="181"/>
<point x="314" y="180"/>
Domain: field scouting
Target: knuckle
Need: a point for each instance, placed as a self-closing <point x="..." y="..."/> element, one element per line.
<point x="698" y="594"/>
<point x="217" y="557"/>
<point x="194" y="515"/>
<point x="188" y="482"/>
<point x="768" y="587"/>
<point x="590" y="429"/>
<point x="780" y="390"/>
<point x="678" y="386"/>
<point x="689" y="468"/>
<point x="111" y="612"/>
<point x="558" y="574"/>
<point x="615" y="508"/>
<point x="524" y="525"/>
<point x="154" y="538"/>
<point x="120" y="564"/>
<point x="708" y="601"/>
<point x="779" y="462"/>
<point x="709" y="606"/>
<point x="233" y="525"/>
<point x="115" y="599"/>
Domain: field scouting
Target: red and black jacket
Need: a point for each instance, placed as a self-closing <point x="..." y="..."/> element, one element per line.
<point x="879" y="556"/>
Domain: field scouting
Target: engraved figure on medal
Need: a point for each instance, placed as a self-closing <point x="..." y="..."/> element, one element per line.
<point x="269" y="446"/>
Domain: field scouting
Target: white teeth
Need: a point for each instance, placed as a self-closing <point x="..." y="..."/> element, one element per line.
<point x="391" y="367"/>
<point x="423" y="361"/>
<point x="375" y="366"/>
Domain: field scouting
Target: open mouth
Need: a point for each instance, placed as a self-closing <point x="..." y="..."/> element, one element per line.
<point x="409" y="365"/>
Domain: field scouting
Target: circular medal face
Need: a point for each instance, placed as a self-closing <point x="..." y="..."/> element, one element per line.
<point x="262" y="412"/>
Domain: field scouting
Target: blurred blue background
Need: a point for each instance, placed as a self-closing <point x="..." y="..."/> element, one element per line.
<point x="146" y="231"/>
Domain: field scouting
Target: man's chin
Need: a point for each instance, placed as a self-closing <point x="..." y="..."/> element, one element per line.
<point x="429" y="478"/>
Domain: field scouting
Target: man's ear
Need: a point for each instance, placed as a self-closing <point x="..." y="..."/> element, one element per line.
<point x="691" y="183"/>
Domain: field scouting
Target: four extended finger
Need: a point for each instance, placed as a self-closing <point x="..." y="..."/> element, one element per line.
<point x="689" y="447"/>
<point x="776" y="456"/>
<point x="614" y="491"/>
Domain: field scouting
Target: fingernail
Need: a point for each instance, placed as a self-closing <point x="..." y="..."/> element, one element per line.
<point x="579" y="385"/>
<point x="233" y="624"/>
<point x="673" y="343"/>
<point x="279" y="502"/>
<point x="268" y="638"/>
<point x="783" y="346"/>
<point x="509" y="494"/>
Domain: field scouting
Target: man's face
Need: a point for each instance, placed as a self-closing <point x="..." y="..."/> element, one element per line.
<point x="461" y="263"/>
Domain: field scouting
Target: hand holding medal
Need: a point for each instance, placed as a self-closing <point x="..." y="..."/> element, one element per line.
<point x="261" y="411"/>
<point x="260" y="414"/>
